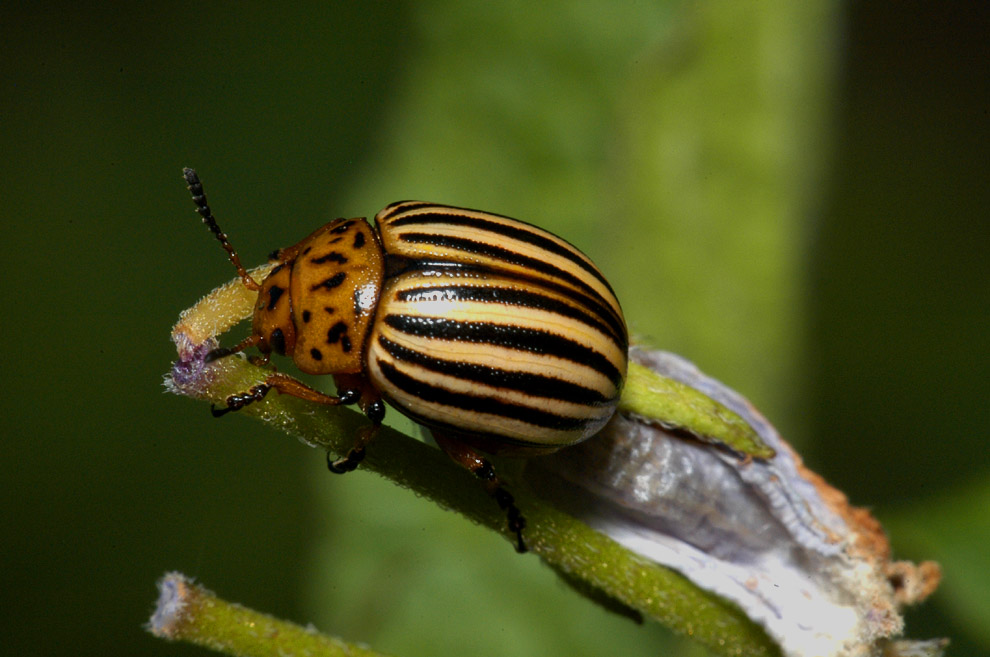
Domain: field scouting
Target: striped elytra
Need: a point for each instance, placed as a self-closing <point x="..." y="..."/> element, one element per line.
<point x="495" y="329"/>
<point x="494" y="333"/>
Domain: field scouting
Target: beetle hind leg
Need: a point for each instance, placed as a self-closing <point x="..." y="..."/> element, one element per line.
<point x="482" y="468"/>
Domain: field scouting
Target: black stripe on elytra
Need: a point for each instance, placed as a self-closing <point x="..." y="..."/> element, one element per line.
<point x="590" y="300"/>
<point x="331" y="282"/>
<point x="535" y="385"/>
<point x="333" y="256"/>
<point x="511" y="297"/>
<point x="524" y="232"/>
<point x="508" y="336"/>
<point x="495" y="438"/>
<point x="501" y="254"/>
<point x="486" y="405"/>
<point x="400" y="207"/>
<point x="611" y="315"/>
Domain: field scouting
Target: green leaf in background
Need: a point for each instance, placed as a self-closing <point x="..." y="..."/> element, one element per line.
<point x="714" y="170"/>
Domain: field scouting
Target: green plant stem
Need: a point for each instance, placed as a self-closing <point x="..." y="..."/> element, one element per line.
<point x="564" y="543"/>
<point x="674" y="405"/>
<point x="188" y="612"/>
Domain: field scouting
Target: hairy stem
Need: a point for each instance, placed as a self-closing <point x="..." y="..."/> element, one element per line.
<point x="564" y="543"/>
<point x="188" y="612"/>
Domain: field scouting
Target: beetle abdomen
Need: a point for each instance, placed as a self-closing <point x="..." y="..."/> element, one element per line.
<point x="490" y="355"/>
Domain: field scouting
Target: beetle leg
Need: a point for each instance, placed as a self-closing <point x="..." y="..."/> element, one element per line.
<point x="373" y="406"/>
<point x="260" y="360"/>
<point x="482" y="468"/>
<point x="355" y="454"/>
<point x="285" y="385"/>
<point x="221" y="352"/>
<point x="242" y="399"/>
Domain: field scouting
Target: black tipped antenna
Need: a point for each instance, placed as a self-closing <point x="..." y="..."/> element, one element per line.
<point x="203" y="208"/>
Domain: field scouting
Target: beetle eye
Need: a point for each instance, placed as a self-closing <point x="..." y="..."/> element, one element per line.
<point x="277" y="341"/>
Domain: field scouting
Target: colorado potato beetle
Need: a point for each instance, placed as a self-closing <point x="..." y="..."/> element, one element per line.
<point x="497" y="335"/>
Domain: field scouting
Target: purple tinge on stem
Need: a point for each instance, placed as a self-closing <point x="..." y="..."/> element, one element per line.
<point x="172" y="593"/>
<point x="190" y="374"/>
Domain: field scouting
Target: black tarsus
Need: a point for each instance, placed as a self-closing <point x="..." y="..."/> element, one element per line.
<point x="240" y="400"/>
<point x="516" y="521"/>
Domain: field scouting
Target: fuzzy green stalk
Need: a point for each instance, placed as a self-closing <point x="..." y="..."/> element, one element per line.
<point x="188" y="612"/>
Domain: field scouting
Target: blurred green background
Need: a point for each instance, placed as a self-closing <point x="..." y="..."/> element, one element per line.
<point x="794" y="196"/>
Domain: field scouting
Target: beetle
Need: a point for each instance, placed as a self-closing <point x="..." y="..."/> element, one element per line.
<point x="496" y="334"/>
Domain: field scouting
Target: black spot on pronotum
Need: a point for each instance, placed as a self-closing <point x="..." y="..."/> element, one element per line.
<point x="342" y="228"/>
<point x="336" y="332"/>
<point x="328" y="309"/>
<point x="331" y="282"/>
<point x="277" y="341"/>
<point x="306" y="315"/>
<point x="359" y="240"/>
<point x="333" y="256"/>
<point x="274" y="294"/>
<point x="316" y="354"/>
<point x="307" y="250"/>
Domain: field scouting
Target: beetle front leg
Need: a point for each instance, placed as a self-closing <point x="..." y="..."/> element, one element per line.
<point x="482" y="468"/>
<point x="285" y="385"/>
<point x="238" y="401"/>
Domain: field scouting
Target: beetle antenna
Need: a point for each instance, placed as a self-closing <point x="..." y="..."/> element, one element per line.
<point x="203" y="208"/>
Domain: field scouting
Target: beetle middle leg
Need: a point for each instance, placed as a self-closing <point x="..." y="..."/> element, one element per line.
<point x="482" y="468"/>
<point x="375" y="410"/>
<point x="370" y="402"/>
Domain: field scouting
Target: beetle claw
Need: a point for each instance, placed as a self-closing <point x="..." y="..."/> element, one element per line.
<point x="516" y="520"/>
<point x="347" y="463"/>
<point x="219" y="412"/>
